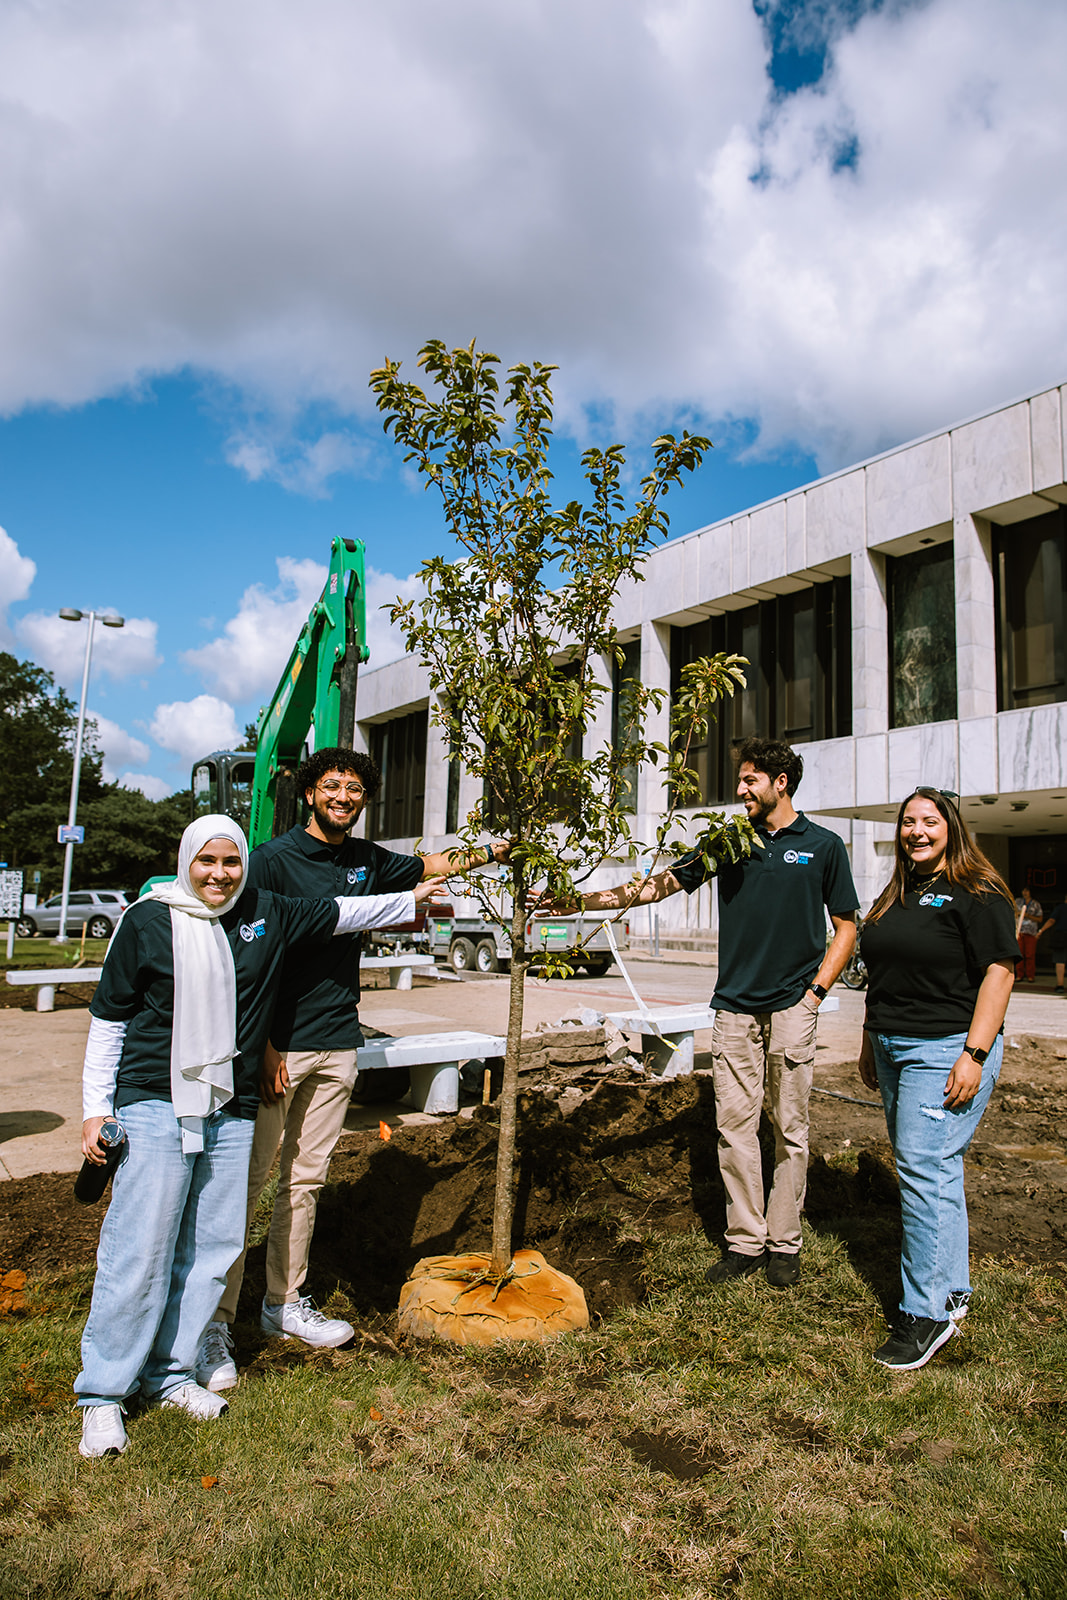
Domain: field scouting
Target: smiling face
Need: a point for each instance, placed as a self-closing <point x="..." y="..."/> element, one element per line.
<point x="336" y="802"/>
<point x="760" y="794"/>
<point x="215" y="873"/>
<point x="923" y="835"/>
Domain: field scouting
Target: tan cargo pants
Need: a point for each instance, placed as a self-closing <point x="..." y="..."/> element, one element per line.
<point x="769" y="1054"/>
<point x="307" y="1124"/>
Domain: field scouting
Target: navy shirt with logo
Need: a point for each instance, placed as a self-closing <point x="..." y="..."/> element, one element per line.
<point x="137" y="986"/>
<point x="927" y="955"/>
<point x="319" y="992"/>
<point x="772" y="922"/>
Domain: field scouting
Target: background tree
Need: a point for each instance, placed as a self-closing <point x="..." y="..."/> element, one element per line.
<point x="127" y="837"/>
<point x="517" y="637"/>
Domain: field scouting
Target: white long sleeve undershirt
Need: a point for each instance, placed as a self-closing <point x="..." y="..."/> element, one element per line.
<point x="103" y="1048"/>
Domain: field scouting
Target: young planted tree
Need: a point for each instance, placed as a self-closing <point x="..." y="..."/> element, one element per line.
<point x="517" y="639"/>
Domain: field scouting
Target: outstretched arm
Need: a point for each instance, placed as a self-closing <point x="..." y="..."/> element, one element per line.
<point x="638" y="892"/>
<point x="443" y="862"/>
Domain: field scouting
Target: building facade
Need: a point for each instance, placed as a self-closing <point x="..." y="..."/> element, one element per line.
<point x="906" y="623"/>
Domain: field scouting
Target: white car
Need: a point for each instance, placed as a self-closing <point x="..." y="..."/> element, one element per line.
<point x="97" y="910"/>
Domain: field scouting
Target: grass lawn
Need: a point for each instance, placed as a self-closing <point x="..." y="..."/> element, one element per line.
<point x="730" y="1442"/>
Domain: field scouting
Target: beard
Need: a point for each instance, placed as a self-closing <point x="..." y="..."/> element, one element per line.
<point x="327" y="824"/>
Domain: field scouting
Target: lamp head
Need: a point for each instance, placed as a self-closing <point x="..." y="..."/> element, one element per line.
<point x="70" y="615"/>
<point x="110" y="620"/>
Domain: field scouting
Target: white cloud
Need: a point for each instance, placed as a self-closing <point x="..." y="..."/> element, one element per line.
<point x="118" y="747"/>
<point x="247" y="660"/>
<point x="304" y="466"/>
<point x="17" y="573"/>
<point x="151" y="788"/>
<point x="384" y="637"/>
<point x="279" y="196"/>
<point x="125" y="652"/>
<point x="193" y="728"/>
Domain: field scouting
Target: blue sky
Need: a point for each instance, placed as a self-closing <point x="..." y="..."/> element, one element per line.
<point x="810" y="228"/>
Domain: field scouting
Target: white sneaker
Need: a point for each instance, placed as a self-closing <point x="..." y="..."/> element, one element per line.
<point x="103" y="1433"/>
<point x="300" y="1320"/>
<point x="215" y="1367"/>
<point x="200" y="1403"/>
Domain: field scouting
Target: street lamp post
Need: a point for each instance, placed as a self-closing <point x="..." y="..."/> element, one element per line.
<point x="110" y="620"/>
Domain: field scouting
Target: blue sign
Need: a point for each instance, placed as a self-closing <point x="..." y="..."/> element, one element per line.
<point x="66" y="834"/>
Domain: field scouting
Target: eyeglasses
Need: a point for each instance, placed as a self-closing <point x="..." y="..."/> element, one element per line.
<point x="353" y="791"/>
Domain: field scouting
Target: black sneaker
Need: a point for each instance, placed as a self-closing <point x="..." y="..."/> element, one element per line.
<point x="957" y="1304"/>
<point x="913" y="1341"/>
<point x="783" y="1268"/>
<point x="734" y="1265"/>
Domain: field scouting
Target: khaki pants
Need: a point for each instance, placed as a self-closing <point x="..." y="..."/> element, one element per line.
<point x="307" y="1124"/>
<point x="771" y="1053"/>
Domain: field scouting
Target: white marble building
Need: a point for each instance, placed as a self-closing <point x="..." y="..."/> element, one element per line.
<point x="962" y="530"/>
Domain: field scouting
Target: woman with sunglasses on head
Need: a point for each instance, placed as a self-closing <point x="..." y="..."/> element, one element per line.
<point x="179" y="1027"/>
<point x="940" y="951"/>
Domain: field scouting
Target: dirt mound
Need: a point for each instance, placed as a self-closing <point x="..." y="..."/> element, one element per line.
<point x="598" y="1170"/>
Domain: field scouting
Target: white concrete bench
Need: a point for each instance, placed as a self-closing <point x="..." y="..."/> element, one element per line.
<point x="670" y="1051"/>
<point x="399" y="967"/>
<point x="48" y="980"/>
<point x="433" y="1061"/>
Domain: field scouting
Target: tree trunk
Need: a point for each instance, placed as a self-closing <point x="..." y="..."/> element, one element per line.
<point x="504" y="1199"/>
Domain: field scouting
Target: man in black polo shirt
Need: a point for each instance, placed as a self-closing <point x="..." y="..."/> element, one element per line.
<point x="316" y="1029"/>
<point x="774" y="971"/>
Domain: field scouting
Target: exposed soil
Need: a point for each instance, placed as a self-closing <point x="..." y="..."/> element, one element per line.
<point x="606" y="1157"/>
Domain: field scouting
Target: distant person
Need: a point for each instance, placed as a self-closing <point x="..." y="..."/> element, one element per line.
<point x="316" y="1030"/>
<point x="178" y="1028"/>
<point x="1056" y="927"/>
<point x="1027" y="924"/>
<point x="939" y="946"/>
<point x="774" y="972"/>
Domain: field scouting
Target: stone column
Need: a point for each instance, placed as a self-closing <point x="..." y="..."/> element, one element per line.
<point x="436" y="801"/>
<point x="976" y="651"/>
<point x="870" y="644"/>
<point x="655" y="673"/>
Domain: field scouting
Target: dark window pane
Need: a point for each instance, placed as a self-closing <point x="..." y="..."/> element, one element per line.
<point x="1031" y="571"/>
<point x="921" y="599"/>
<point x="399" y="748"/>
<point x="627" y="673"/>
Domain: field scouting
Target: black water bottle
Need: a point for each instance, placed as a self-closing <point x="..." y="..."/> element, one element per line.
<point x="92" y="1180"/>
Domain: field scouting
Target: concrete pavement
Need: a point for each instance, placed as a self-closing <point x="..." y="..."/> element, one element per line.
<point x="41" y="1053"/>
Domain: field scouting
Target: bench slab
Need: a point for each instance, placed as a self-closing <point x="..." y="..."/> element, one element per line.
<point x="433" y="1060"/>
<point x="48" y="979"/>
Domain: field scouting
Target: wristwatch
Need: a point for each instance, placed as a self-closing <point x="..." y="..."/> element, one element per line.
<point x="975" y="1053"/>
<point x="818" y="991"/>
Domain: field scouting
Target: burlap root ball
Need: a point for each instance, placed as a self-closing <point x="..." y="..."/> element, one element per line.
<point x="539" y="1302"/>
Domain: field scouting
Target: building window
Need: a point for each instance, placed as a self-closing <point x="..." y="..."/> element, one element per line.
<point x="627" y="672"/>
<point x="399" y="748"/>
<point x="799" y="676"/>
<point x="921" y="599"/>
<point x="1030" y="569"/>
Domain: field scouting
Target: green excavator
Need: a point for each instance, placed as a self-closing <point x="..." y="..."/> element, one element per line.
<point x="313" y="707"/>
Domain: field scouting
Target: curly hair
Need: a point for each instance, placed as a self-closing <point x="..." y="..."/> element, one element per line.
<point x="964" y="862"/>
<point x="336" y="758"/>
<point x="771" y="757"/>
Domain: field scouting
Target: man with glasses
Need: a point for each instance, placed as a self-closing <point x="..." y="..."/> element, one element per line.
<point x="307" y="1082"/>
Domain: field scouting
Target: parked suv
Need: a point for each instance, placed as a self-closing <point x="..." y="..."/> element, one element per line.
<point x="98" y="909"/>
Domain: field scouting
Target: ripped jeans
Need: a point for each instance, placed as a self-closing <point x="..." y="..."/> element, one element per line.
<point x="929" y="1140"/>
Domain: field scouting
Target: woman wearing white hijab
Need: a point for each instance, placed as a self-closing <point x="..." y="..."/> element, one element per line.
<point x="180" y="1021"/>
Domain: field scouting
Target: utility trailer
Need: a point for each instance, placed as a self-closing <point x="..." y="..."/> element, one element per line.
<point x="473" y="944"/>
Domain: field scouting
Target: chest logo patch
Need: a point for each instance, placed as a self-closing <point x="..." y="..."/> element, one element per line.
<point x="357" y="874"/>
<point x="935" y="900"/>
<point x="799" y="858"/>
<point x="252" y="930"/>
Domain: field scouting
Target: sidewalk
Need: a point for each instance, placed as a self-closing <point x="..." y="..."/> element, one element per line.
<point x="41" y="1052"/>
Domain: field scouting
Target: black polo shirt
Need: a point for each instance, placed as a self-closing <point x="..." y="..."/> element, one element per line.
<point x="319" y="992"/>
<point x="772" y="924"/>
<point x="927" y="955"/>
<point x="137" y="987"/>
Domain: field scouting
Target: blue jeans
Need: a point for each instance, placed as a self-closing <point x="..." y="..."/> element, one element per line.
<point x="174" y="1228"/>
<point x="929" y="1140"/>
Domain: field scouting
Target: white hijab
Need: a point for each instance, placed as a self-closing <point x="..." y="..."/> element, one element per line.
<point x="204" y="1034"/>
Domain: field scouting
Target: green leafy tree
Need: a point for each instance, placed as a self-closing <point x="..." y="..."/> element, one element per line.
<point x="37" y="725"/>
<point x="517" y="637"/>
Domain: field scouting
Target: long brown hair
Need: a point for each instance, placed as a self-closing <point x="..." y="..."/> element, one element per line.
<point x="964" y="862"/>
